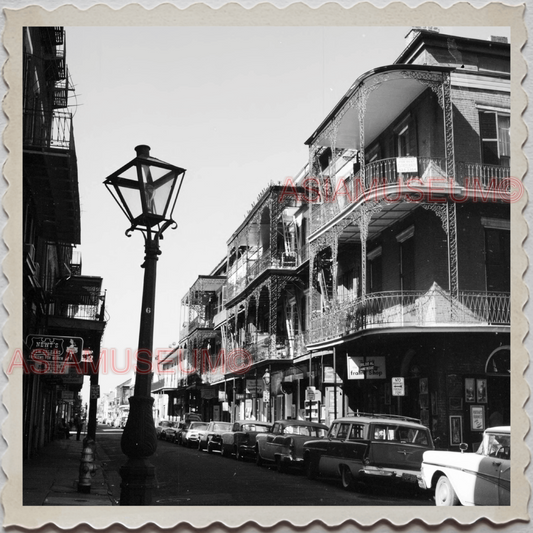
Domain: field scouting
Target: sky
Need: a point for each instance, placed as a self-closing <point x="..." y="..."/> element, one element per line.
<point x="233" y="106"/>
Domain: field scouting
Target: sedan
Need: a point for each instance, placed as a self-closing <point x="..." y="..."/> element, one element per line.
<point x="169" y="433"/>
<point x="284" y="444"/>
<point x="480" y="478"/>
<point x="163" y="424"/>
<point x="241" y="440"/>
<point x="193" y="434"/>
<point x="211" y="439"/>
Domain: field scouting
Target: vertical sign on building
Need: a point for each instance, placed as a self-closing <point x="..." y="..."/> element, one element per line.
<point x="398" y="386"/>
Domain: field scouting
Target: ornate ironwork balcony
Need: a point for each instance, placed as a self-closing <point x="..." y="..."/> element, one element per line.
<point x="253" y="269"/>
<point x="411" y="308"/>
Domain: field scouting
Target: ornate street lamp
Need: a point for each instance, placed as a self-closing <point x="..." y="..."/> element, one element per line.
<point x="146" y="189"/>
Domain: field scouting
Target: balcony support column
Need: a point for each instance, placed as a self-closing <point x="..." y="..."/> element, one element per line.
<point x="448" y="215"/>
<point x="448" y="128"/>
<point x="367" y="210"/>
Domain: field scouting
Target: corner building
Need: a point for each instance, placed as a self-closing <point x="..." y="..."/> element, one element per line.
<point x="410" y="260"/>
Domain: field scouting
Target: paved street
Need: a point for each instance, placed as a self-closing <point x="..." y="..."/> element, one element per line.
<point x="186" y="476"/>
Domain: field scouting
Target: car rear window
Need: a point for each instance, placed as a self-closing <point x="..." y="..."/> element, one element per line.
<point x="198" y="425"/>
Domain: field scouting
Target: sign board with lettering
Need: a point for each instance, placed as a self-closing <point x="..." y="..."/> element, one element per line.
<point x="254" y="386"/>
<point x="398" y="386"/>
<point x="95" y="392"/>
<point x="361" y="367"/>
<point x="406" y="164"/>
<point x="56" y="354"/>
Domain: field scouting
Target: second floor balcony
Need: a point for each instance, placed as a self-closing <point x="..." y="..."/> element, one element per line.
<point x="407" y="309"/>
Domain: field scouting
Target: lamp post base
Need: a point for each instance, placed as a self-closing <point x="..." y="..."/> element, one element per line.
<point x="138" y="481"/>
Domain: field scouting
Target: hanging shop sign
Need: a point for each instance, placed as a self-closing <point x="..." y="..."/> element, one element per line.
<point x="266" y="396"/>
<point x="55" y="354"/>
<point x="366" y="367"/>
<point x="254" y="386"/>
<point x="207" y="393"/>
<point x="221" y="396"/>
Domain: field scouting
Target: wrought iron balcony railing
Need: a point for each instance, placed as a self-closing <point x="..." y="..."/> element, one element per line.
<point x="253" y="269"/>
<point x="410" y="308"/>
<point x="47" y="130"/>
<point x="384" y="173"/>
<point x="474" y="175"/>
<point x="378" y="176"/>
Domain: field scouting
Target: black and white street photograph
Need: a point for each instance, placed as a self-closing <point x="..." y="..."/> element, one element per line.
<point x="270" y="266"/>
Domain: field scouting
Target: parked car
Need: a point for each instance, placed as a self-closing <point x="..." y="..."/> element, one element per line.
<point x="241" y="440"/>
<point x="168" y="433"/>
<point x="162" y="425"/>
<point x="373" y="447"/>
<point x="183" y="426"/>
<point x="284" y="444"/>
<point x="479" y="478"/>
<point x="211" y="439"/>
<point x="191" y="437"/>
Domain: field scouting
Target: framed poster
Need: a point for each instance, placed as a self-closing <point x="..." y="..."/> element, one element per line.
<point x="477" y="417"/>
<point x="481" y="390"/>
<point x="456" y="430"/>
<point x="470" y="391"/>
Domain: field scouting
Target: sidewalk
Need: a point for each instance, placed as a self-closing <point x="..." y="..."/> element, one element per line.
<point x="51" y="476"/>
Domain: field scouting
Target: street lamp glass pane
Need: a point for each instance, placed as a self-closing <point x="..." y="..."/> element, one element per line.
<point x="132" y="198"/>
<point x="158" y="188"/>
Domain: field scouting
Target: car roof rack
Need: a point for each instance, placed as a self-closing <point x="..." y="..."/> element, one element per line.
<point x="382" y="415"/>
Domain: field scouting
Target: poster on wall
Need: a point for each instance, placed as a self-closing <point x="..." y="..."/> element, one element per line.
<point x="481" y="390"/>
<point x="470" y="392"/>
<point x="477" y="418"/>
<point x="456" y="430"/>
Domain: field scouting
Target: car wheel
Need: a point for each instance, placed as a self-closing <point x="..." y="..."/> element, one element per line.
<point x="258" y="459"/>
<point x="444" y="493"/>
<point x="347" y="478"/>
<point x="282" y="466"/>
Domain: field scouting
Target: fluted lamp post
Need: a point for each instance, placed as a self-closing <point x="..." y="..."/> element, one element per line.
<point x="146" y="189"/>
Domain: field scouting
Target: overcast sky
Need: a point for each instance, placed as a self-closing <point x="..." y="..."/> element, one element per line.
<point x="232" y="105"/>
